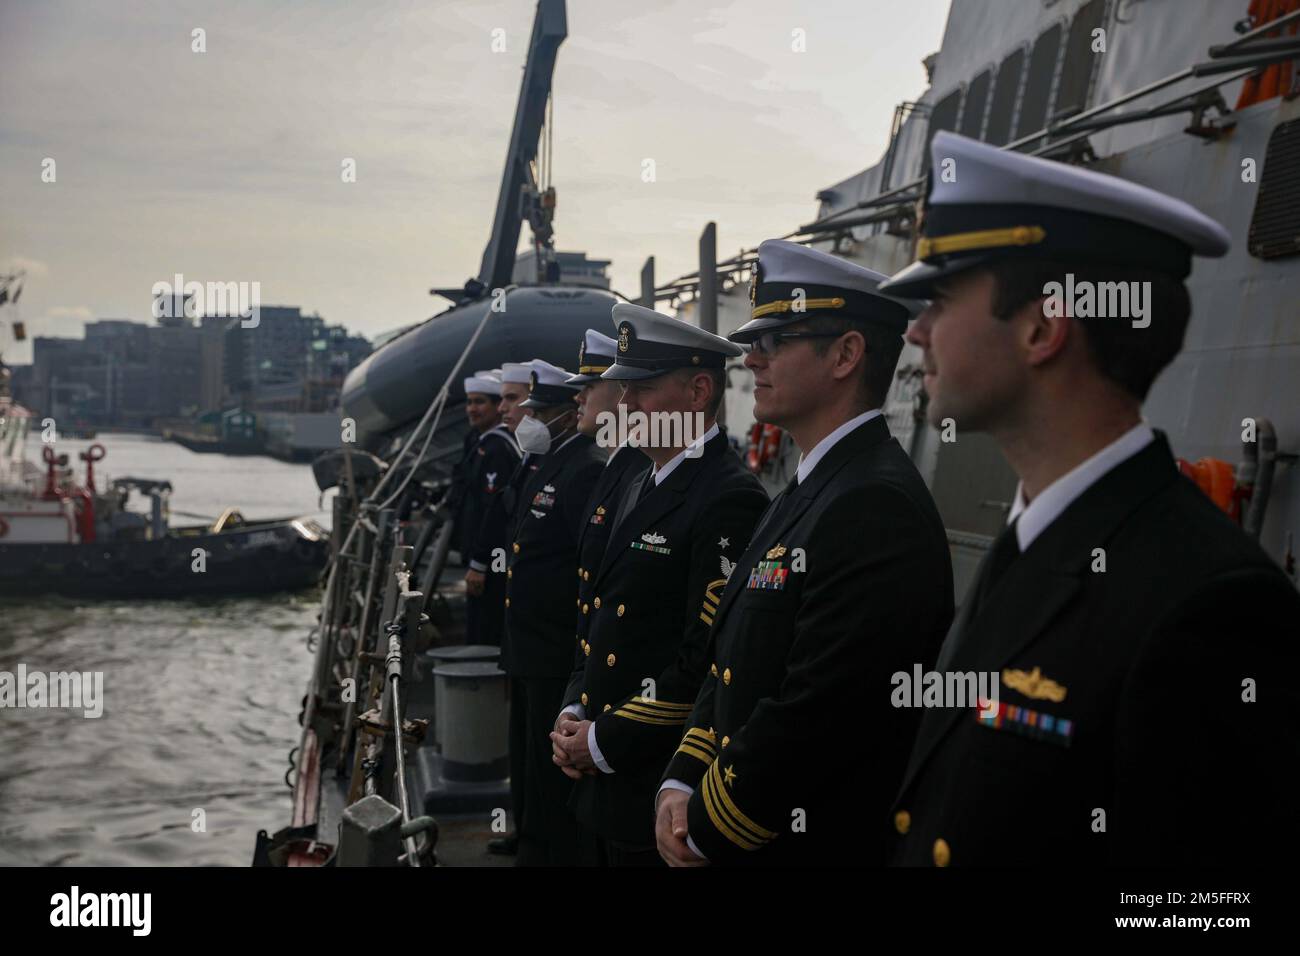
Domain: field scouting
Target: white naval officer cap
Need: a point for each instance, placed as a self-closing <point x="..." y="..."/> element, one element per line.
<point x="792" y="282"/>
<point x="651" y="343"/>
<point x="595" y="354"/>
<point x="516" y="373"/>
<point x="548" y="385"/>
<point x="999" y="204"/>
<point x="485" y="382"/>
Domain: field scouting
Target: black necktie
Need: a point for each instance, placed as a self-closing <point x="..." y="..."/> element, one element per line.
<point x="779" y="502"/>
<point x="1004" y="551"/>
<point x="632" y="498"/>
<point x="648" y="484"/>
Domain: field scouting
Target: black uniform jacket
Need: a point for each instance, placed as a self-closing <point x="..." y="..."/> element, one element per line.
<point x="793" y="743"/>
<point x="653" y="595"/>
<point x="543" y="552"/>
<point x="626" y="464"/>
<point x="1145" y="650"/>
<point x="485" y="475"/>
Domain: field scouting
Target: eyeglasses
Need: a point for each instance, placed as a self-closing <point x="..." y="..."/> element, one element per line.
<point x="769" y="342"/>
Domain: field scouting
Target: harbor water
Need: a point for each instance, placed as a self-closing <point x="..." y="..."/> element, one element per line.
<point x="200" y="697"/>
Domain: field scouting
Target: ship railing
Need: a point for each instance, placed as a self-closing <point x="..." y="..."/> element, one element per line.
<point x="346" y="640"/>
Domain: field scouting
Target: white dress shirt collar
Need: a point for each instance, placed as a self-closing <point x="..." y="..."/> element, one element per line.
<point x="1036" y="516"/>
<point x="661" y="474"/>
<point x="809" y="461"/>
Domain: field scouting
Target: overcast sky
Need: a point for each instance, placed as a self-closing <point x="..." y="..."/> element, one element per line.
<point x="225" y="165"/>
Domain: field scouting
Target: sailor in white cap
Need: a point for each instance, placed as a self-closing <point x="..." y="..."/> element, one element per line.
<point x="1130" y="622"/>
<point x="846" y="581"/>
<point x="682" y="523"/>
<point x="492" y="538"/>
<point x="491" y="458"/>
<point x="489" y="531"/>
<point x="537" y="651"/>
<point x="515" y="379"/>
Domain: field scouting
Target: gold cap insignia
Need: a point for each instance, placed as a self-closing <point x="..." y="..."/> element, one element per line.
<point x="624" y="333"/>
<point x="1034" y="685"/>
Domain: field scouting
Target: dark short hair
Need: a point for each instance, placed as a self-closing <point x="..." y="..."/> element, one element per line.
<point x="1130" y="357"/>
<point x="884" y="345"/>
<point x="717" y="376"/>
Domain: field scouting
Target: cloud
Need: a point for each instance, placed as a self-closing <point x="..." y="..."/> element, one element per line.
<point x="82" y="313"/>
<point x="33" y="267"/>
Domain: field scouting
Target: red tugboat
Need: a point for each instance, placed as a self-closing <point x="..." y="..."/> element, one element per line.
<point x="58" y="536"/>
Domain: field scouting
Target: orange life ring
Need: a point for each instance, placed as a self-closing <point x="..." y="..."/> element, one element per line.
<point x="1217" y="480"/>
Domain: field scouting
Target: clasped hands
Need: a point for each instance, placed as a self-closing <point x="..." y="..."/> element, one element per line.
<point x="569" y="746"/>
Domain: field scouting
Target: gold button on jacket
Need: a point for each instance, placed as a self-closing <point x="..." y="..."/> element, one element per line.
<point x="610" y="660"/>
<point x="902" y="821"/>
<point x="942" y="855"/>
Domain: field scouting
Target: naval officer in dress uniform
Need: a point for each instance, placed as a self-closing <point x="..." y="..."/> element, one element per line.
<point x="679" y="529"/>
<point x="1144" y="646"/>
<point x="488" y="465"/>
<point x="538" y="649"/>
<point x="598" y="404"/>
<point x="793" y="752"/>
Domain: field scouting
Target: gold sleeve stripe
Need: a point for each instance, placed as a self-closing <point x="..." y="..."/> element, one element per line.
<point x="734" y="811"/>
<point x="661" y="721"/>
<point x="723" y="825"/>
<point x="693" y="750"/>
<point x="707" y="748"/>
<point x="650" y="701"/>
<point x="703" y="734"/>
<point x="706" y="618"/>
<point x="657" y="712"/>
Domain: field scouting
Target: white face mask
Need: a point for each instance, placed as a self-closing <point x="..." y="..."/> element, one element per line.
<point x="533" y="436"/>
